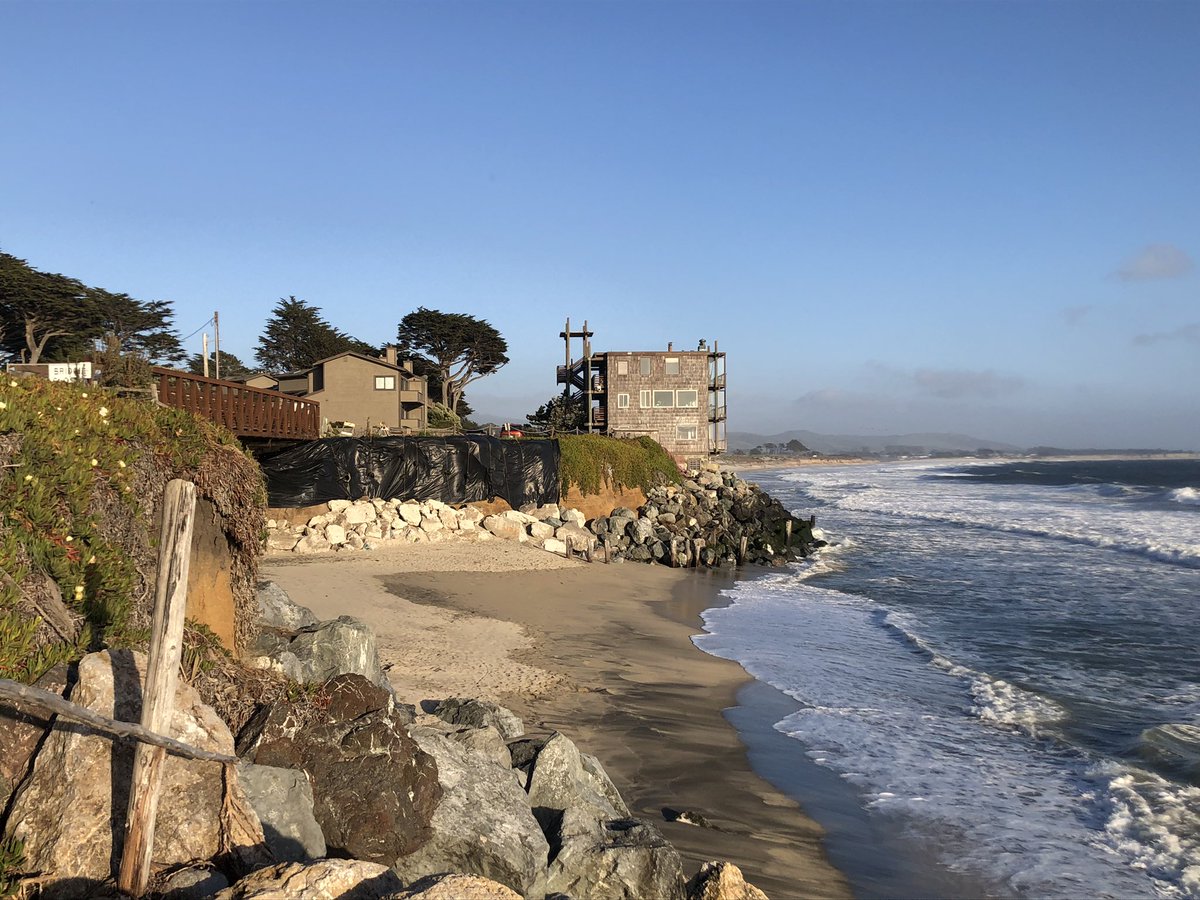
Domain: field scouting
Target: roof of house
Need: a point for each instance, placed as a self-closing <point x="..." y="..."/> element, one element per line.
<point x="371" y="359"/>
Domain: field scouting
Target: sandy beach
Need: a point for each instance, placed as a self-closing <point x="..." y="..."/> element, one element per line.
<point x="599" y="652"/>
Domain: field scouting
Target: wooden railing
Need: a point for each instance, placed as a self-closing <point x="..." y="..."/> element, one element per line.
<point x="246" y="411"/>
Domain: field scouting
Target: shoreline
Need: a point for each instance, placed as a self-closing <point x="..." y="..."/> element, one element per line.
<point x="601" y="653"/>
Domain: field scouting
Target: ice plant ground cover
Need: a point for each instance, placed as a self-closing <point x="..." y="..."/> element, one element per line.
<point x="82" y="470"/>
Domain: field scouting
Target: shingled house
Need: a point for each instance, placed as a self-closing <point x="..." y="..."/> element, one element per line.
<point x="369" y="392"/>
<point x="675" y="396"/>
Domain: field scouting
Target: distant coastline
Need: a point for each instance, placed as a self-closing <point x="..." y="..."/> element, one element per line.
<point x="749" y="462"/>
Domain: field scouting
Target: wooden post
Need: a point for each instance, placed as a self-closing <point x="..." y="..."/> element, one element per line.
<point x="787" y="530"/>
<point x="162" y="677"/>
<point x="742" y="548"/>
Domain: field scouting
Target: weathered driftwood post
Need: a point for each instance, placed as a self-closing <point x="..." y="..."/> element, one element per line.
<point x="788" y="534"/>
<point x="162" y="677"/>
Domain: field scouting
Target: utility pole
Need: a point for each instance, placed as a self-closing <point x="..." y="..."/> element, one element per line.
<point x="217" y="343"/>
<point x="206" y="354"/>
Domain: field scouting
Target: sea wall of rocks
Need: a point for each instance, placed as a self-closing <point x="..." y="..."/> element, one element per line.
<point x="711" y="519"/>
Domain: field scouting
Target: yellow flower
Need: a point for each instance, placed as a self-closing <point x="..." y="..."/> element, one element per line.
<point x="79" y="590"/>
<point x="29" y="478"/>
<point x="3" y="405"/>
<point x="92" y="560"/>
<point x="121" y="463"/>
<point x="84" y="394"/>
<point x="103" y="411"/>
<point x="12" y="384"/>
<point x="69" y="538"/>
<point x="95" y="462"/>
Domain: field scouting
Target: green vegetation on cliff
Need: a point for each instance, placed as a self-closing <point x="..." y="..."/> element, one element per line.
<point x="82" y="471"/>
<point x="593" y="461"/>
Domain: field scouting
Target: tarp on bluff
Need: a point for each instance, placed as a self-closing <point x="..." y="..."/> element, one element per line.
<point x="457" y="469"/>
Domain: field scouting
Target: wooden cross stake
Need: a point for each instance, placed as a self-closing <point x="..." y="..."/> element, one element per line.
<point x="162" y="677"/>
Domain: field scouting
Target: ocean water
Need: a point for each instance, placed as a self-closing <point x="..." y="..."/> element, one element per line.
<point x="1000" y="664"/>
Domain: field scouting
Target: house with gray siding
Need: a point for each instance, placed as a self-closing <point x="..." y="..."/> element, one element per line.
<point x="676" y="397"/>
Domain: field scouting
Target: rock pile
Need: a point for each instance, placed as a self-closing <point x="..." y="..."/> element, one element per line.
<point x="711" y="519"/>
<point x="367" y="524"/>
<point x="339" y="791"/>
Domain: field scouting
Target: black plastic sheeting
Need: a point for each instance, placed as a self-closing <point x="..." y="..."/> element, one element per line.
<point x="457" y="469"/>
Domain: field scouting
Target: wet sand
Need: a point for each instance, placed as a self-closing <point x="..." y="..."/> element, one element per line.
<point x="599" y="652"/>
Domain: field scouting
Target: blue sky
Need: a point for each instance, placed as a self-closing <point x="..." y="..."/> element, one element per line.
<point x="979" y="217"/>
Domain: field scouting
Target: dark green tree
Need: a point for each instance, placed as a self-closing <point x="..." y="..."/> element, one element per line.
<point x="140" y="327"/>
<point x="48" y="316"/>
<point x="41" y="311"/>
<point x="433" y="383"/>
<point x="796" y="447"/>
<point x="296" y="336"/>
<point x="461" y="347"/>
<point x="232" y="368"/>
<point x="558" y="415"/>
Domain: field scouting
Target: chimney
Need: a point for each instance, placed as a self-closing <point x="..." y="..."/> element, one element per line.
<point x="670" y="346"/>
<point x="389" y="354"/>
<point x="407" y="365"/>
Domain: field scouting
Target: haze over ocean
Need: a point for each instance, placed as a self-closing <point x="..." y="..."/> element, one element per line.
<point x="912" y="216"/>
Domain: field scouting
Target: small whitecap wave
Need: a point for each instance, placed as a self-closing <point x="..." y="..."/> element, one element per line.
<point x="998" y="702"/>
<point x="1188" y="496"/>
<point x="1152" y="822"/>
<point x="1176" y="745"/>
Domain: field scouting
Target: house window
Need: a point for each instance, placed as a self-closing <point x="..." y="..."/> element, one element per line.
<point x="622" y="401"/>
<point x="644" y="365"/>
<point x="622" y="367"/>
<point x="685" y="432"/>
<point x="385" y="382"/>
<point x="687" y="399"/>
<point x="644" y="399"/>
<point x="671" y="365"/>
<point x="664" y="399"/>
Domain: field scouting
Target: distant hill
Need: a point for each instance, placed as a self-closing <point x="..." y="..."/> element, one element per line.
<point x="862" y="443"/>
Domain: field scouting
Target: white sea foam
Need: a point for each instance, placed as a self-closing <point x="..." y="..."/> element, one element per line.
<point x="1155" y="824"/>
<point x="959" y="756"/>
<point x="1189" y="496"/>
<point x="899" y="491"/>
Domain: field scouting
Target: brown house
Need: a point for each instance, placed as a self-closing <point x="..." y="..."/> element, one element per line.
<point x="364" y="392"/>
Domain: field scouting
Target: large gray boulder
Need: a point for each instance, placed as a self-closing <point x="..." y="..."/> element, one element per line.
<point x="485" y="741"/>
<point x="278" y="610"/>
<point x="21" y="730"/>
<point x="374" y="789"/>
<point x="563" y="778"/>
<point x="506" y="528"/>
<point x="319" y="652"/>
<point x="483" y="825"/>
<point x="480" y="713"/>
<point x="283" y="800"/>
<point x="325" y="879"/>
<point x="73" y="803"/>
<point x="576" y="537"/>
<point x="621" y="859"/>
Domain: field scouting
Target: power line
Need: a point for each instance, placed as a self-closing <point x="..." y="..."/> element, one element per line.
<point x="197" y="331"/>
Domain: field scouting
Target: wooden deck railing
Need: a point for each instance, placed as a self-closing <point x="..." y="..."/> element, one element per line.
<point x="246" y="411"/>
